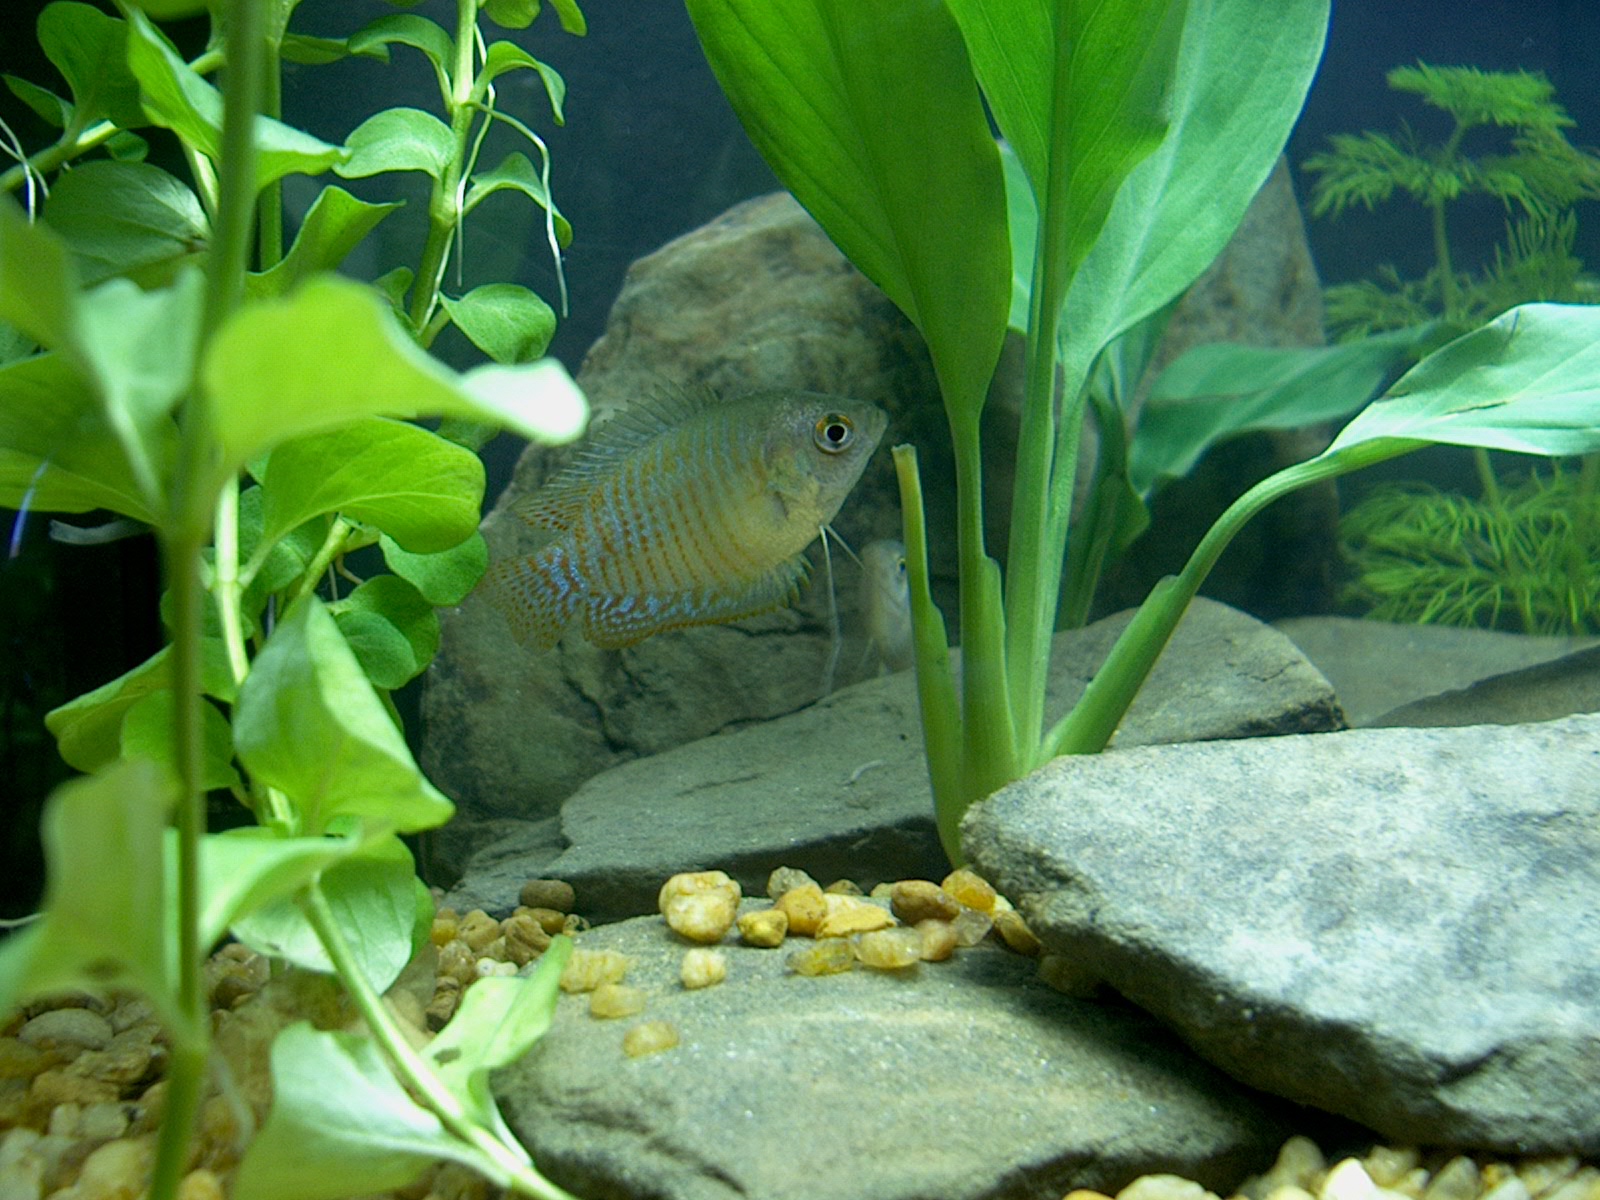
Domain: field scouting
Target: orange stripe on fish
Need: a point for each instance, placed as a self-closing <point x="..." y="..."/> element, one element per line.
<point x="683" y="511"/>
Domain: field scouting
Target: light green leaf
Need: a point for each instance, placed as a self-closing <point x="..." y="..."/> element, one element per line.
<point x="283" y="560"/>
<point x="1240" y="86"/>
<point x="508" y="56"/>
<point x="309" y="724"/>
<point x="105" y="828"/>
<point x="872" y="119"/>
<point x="418" y="488"/>
<point x="399" y="139"/>
<point x="494" y="1027"/>
<point x="506" y="321"/>
<point x="336" y="225"/>
<point x="38" y="282"/>
<point x="56" y="452"/>
<point x="177" y="98"/>
<point x="243" y="869"/>
<point x="445" y="578"/>
<point x="319" y="51"/>
<point x="511" y="14"/>
<point x="517" y="173"/>
<point x="88" y="728"/>
<point x="1217" y="391"/>
<point x="340" y="1124"/>
<point x="372" y="898"/>
<point x="126" y="218"/>
<point x="1528" y="382"/>
<point x="90" y="50"/>
<point x="417" y="32"/>
<point x="392" y="629"/>
<point x="332" y="352"/>
<point x="147" y="733"/>
<point x="46" y="105"/>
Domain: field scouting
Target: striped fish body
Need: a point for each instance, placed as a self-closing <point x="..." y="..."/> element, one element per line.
<point x="684" y="511"/>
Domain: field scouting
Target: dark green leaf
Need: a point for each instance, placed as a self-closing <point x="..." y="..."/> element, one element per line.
<point x="446" y="578"/>
<point x="421" y="490"/>
<point x="90" y="50"/>
<point x="392" y="629"/>
<point x="48" y="106"/>
<point x="38" y="283"/>
<point x="373" y="903"/>
<point x="516" y="173"/>
<point x="336" y="225"/>
<point x="506" y="321"/>
<point x="408" y="30"/>
<point x="309" y="724"/>
<point x="177" y="98"/>
<point x="172" y="10"/>
<point x="510" y="14"/>
<point x="88" y="728"/>
<point x="340" y="1124"/>
<point x="872" y="119"/>
<point x="126" y="218"/>
<point x="318" y="51"/>
<point x="147" y="729"/>
<point x="332" y="352"/>
<point x="508" y="56"/>
<point x="123" y="146"/>
<point x="399" y="139"/>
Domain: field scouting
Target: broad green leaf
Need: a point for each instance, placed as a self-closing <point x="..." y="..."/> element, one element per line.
<point x="871" y="117"/>
<point x="105" y="922"/>
<point x="517" y="173"/>
<point x="340" y="1124"/>
<point x="46" y="105"/>
<point x="57" y="453"/>
<point x="1080" y="92"/>
<point x="1217" y="391"/>
<point x="282" y="561"/>
<point x="508" y="56"/>
<point x="399" y="139"/>
<point x="511" y="14"/>
<point x="332" y="351"/>
<point x="371" y="895"/>
<point x="244" y="869"/>
<point x="88" y="728"/>
<point x="570" y="16"/>
<point x="393" y="631"/>
<point x="1240" y="85"/>
<point x="309" y="724"/>
<point x="506" y="321"/>
<point x="335" y="225"/>
<point x="1528" y="382"/>
<point x="417" y="32"/>
<point x="126" y="218"/>
<point x="177" y="98"/>
<point x="147" y="729"/>
<point x="494" y="1027"/>
<point x="38" y="282"/>
<point x="421" y="490"/>
<point x="444" y="579"/>
<point x="89" y="48"/>
<point x="172" y="10"/>
<point x="319" y="51"/>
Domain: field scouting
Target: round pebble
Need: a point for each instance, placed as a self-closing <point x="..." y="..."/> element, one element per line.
<point x="649" y="1037"/>
<point x="786" y="879"/>
<point x="914" y="900"/>
<point x="555" y="894"/>
<point x="804" y="907"/>
<point x="703" y="967"/>
<point x="766" y="927"/>
<point x="611" y="1000"/>
<point x="700" y="905"/>
<point x="72" y="1030"/>
<point x="889" y="949"/>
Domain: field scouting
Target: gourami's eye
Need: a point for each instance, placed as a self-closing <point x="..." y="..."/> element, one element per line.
<point x="834" y="433"/>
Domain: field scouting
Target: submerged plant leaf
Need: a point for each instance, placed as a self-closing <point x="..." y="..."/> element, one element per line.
<point x="340" y="1124"/>
<point x="372" y="896"/>
<point x="508" y="322"/>
<point x="415" y="486"/>
<point x="335" y="225"/>
<point x="88" y="728"/>
<point x="147" y="733"/>
<point x="517" y="173"/>
<point x="89" y="48"/>
<point x="105" y="922"/>
<point x="443" y="579"/>
<point x="309" y="724"/>
<point x="508" y="56"/>
<point x="408" y="29"/>
<point x="126" y="218"/>
<point x="244" y="869"/>
<point x="38" y="282"/>
<point x="392" y="629"/>
<point x="332" y="351"/>
<point x="399" y="139"/>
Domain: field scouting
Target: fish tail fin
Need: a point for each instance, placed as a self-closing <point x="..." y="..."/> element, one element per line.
<point x="538" y="594"/>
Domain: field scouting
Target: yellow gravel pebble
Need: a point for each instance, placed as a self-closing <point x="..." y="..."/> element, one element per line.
<point x="805" y="908"/>
<point x="766" y="927"/>
<point x="700" y="905"/>
<point x="611" y="1000"/>
<point x="703" y="967"/>
<point x="649" y="1037"/>
<point x="588" y="969"/>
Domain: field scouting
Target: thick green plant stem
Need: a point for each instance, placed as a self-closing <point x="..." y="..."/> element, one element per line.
<point x="1089" y="726"/>
<point x="64" y="150"/>
<point x="417" y="1075"/>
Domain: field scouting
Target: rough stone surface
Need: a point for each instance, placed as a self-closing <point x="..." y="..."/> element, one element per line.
<point x="1399" y="925"/>
<point x="757" y="299"/>
<point x="967" y="1078"/>
<point x="840" y="788"/>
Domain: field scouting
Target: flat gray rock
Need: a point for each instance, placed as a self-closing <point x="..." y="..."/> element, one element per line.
<point x="1401" y="926"/>
<point x="954" y="1080"/>
<point x="840" y="788"/>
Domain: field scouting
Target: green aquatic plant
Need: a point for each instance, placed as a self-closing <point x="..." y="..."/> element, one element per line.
<point x="252" y="410"/>
<point x="1527" y="559"/>
<point x="1533" y="170"/>
<point x="1142" y="128"/>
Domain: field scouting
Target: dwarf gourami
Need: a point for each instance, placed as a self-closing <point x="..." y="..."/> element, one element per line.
<point x="681" y="511"/>
<point x="886" y="604"/>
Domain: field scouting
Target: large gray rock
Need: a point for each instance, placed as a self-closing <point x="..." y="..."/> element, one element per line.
<point x="955" y="1080"/>
<point x="840" y="788"/>
<point x="1401" y="925"/>
<point x="758" y="299"/>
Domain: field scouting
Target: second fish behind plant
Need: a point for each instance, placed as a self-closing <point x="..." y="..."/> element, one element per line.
<point x="685" y="511"/>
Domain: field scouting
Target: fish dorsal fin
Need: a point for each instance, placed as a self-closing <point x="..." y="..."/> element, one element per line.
<point x="559" y="502"/>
